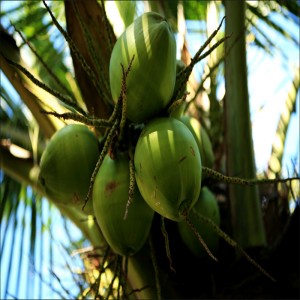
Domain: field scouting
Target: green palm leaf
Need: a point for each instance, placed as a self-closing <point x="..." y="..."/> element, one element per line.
<point x="277" y="152"/>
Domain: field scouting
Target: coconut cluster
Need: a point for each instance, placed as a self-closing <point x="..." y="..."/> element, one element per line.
<point x="168" y="155"/>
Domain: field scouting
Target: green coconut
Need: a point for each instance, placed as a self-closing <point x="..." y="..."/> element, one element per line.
<point x="207" y="205"/>
<point x="110" y="196"/>
<point x="151" y="80"/>
<point x="168" y="167"/>
<point x="67" y="164"/>
<point x="202" y="139"/>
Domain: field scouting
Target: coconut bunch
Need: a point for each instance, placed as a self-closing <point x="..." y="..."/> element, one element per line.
<point x="162" y="172"/>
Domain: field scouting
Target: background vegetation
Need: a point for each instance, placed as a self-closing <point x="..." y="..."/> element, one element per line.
<point x="49" y="251"/>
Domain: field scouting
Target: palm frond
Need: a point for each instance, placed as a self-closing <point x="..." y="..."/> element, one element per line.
<point x="275" y="161"/>
<point x="25" y="228"/>
<point x="266" y="18"/>
<point x="194" y="10"/>
<point x="45" y="41"/>
<point x="291" y="10"/>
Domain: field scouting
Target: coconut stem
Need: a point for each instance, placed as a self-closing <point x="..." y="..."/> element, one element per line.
<point x="199" y="237"/>
<point x="123" y="97"/>
<point x="104" y="151"/>
<point x="167" y="244"/>
<point x="82" y="119"/>
<point x="47" y="67"/>
<point x="231" y="242"/>
<point x="186" y="72"/>
<point x="131" y="186"/>
<point x="118" y="127"/>
<point x="155" y="267"/>
<point x="67" y="100"/>
<point x="241" y="181"/>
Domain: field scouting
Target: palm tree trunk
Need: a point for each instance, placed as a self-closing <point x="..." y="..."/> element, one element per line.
<point x="247" y="222"/>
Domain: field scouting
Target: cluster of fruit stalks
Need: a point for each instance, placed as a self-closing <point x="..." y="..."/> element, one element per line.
<point x="116" y="123"/>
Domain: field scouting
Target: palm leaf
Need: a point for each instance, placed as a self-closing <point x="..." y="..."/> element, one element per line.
<point x="261" y="39"/>
<point x="292" y="9"/>
<point x="272" y="24"/>
<point x="21" y="250"/>
<point x="28" y="93"/>
<point x="275" y="161"/>
<point x="15" y="130"/>
<point x="195" y="10"/>
<point x="12" y="230"/>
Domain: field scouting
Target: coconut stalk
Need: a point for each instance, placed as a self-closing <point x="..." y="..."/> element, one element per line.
<point x="247" y="222"/>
